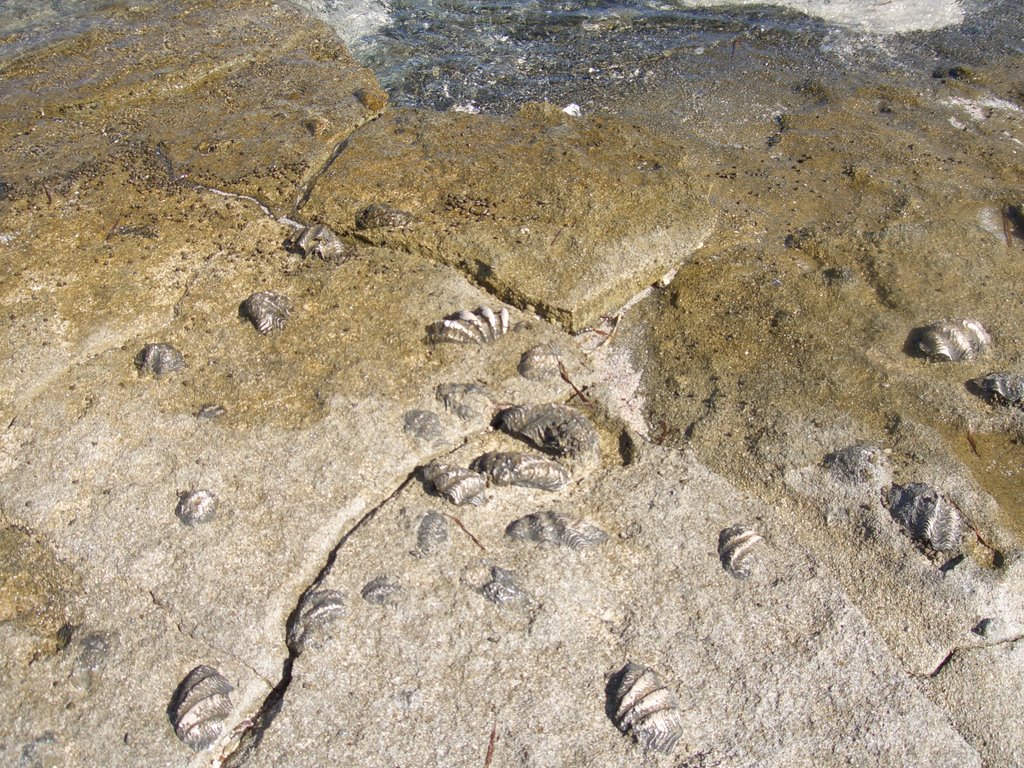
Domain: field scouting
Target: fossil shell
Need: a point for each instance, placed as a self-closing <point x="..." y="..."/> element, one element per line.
<point x="1003" y="388"/>
<point x="526" y="469"/>
<point x="422" y="425"/>
<point x="467" y="327"/>
<point x="735" y="550"/>
<point x="432" y="533"/>
<point x="321" y="242"/>
<point x="466" y="401"/>
<point x="502" y="587"/>
<point x="382" y="591"/>
<point x="856" y="463"/>
<point x="556" y="528"/>
<point x="539" y="362"/>
<point x="560" y="429"/>
<point x="926" y="513"/>
<point x="200" y="707"/>
<point x="319" y="609"/>
<point x="211" y="411"/>
<point x="195" y="507"/>
<point x="647" y="709"/>
<point x="954" y="340"/>
<point x="159" y="359"/>
<point x="380" y="216"/>
<point x="457" y="484"/>
<point x="266" y="311"/>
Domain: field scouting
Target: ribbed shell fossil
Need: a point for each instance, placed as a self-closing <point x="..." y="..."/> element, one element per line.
<point x="200" y="707"/>
<point x="502" y="587"/>
<point x="465" y="327"/>
<point x="560" y="429"/>
<point x="266" y="311"/>
<point x="319" y="609"/>
<point x="195" y="507"/>
<point x="526" y="469"/>
<point x="432" y="533"/>
<point x="382" y="591"/>
<point x="954" y="340"/>
<point x="736" y="550"/>
<point x="556" y="528"/>
<point x="647" y="709"/>
<point x="457" y="484"/>
<point x="539" y="362"/>
<point x="159" y="359"/>
<point x="381" y="216"/>
<point x="321" y="242"/>
<point x="926" y="513"/>
<point x="1002" y="388"/>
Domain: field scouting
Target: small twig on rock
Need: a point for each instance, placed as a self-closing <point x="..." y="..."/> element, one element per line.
<point x="490" y="745"/>
<point x="466" y="531"/>
<point x="973" y="442"/>
<point x="49" y="196"/>
<point x="565" y="377"/>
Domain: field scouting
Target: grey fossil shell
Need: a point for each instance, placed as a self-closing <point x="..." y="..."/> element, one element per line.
<point x="465" y="327"/>
<point x="266" y="311"/>
<point x="560" y="429"/>
<point x="857" y="463"/>
<point x="432" y="533"/>
<point x="381" y="216"/>
<point x="647" y="709"/>
<point x="467" y="401"/>
<point x="927" y="515"/>
<point x="1002" y="388"/>
<point x="556" y="528"/>
<point x="954" y="340"/>
<point x="200" y="707"/>
<point x="525" y="469"/>
<point x="502" y="587"/>
<point x="457" y="484"/>
<point x="195" y="507"/>
<point x="422" y="425"/>
<point x="539" y="362"/>
<point x="382" y="590"/>
<point x="159" y="360"/>
<point x="320" y="241"/>
<point x="735" y="550"/>
<point x="319" y="609"/>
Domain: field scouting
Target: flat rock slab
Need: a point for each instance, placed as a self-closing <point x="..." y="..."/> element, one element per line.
<point x="568" y="216"/>
<point x="243" y="96"/>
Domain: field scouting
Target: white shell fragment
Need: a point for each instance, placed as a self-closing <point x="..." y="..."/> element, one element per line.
<point x="954" y="340"/>
<point x="736" y="550"/>
<point x="267" y="311"/>
<point x="927" y="515"/>
<point x="457" y="484"/>
<point x="524" y="469"/>
<point x="200" y="707"/>
<point x="319" y="609"/>
<point x="647" y="709"/>
<point x="556" y="528"/>
<point x="465" y="327"/>
<point x="560" y="429"/>
<point x="1002" y="388"/>
<point x="195" y="507"/>
<point x="159" y="360"/>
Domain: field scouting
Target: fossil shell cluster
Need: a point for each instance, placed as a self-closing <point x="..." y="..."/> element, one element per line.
<point x="927" y="515"/>
<point x="268" y="312"/>
<point x="559" y="429"/>
<point x="320" y="241"/>
<point x="556" y="528"/>
<point x="736" y="550"/>
<point x="195" y="507"/>
<point x="457" y="484"/>
<point x="1002" y="388"/>
<point x="954" y="340"/>
<point x="647" y="709"/>
<point x="200" y="707"/>
<point x="159" y="360"/>
<point x="318" y="610"/>
<point x="525" y="469"/>
<point x="465" y="327"/>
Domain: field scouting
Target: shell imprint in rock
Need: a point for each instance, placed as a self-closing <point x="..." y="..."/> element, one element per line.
<point x="195" y="507"/>
<point x="560" y="429"/>
<point x="266" y="311"/>
<point x="467" y="327"/>
<point x="382" y="591"/>
<point x="539" y="362"/>
<point x="159" y="360"/>
<point x="502" y="587"/>
<point x="954" y="340"/>
<point x="526" y="469"/>
<point x="736" y="550"/>
<point x="556" y="528"/>
<point x="381" y="216"/>
<point x="857" y="463"/>
<point x="321" y="242"/>
<point x="926" y="513"/>
<point x="1002" y="388"/>
<point x="647" y="709"/>
<point x="200" y="707"/>
<point x="467" y="401"/>
<point x="457" y="484"/>
<point x="319" y="609"/>
<point x="432" y="533"/>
